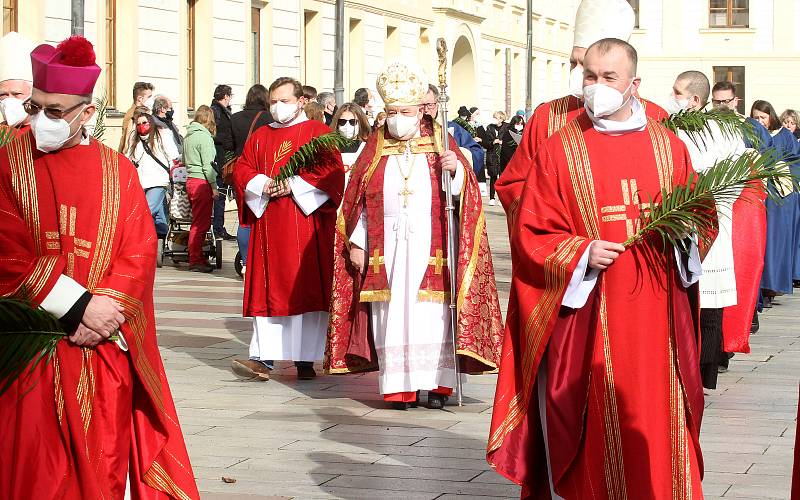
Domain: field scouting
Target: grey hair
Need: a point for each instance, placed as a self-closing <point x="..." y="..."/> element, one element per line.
<point x="324" y="97"/>
<point x="159" y="103"/>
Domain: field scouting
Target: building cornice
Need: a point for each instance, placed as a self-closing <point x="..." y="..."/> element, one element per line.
<point x="521" y="45"/>
<point x="459" y="14"/>
<point x="382" y="12"/>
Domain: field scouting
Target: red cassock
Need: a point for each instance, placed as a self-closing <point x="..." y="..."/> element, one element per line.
<point x="71" y="429"/>
<point x="796" y="473"/>
<point x="547" y="119"/>
<point x="290" y="257"/>
<point x="623" y="394"/>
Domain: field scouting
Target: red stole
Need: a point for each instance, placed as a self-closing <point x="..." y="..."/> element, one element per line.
<point x="621" y="421"/>
<point x="435" y="285"/>
<point x="82" y="212"/>
<point x="290" y="256"/>
<point x="349" y="346"/>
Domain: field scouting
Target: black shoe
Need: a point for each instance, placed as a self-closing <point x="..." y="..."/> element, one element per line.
<point x="722" y="369"/>
<point x="226" y="236"/>
<point x="201" y="268"/>
<point x="399" y="405"/>
<point x="436" y="401"/>
<point x="754" y="326"/>
<point x="305" y="372"/>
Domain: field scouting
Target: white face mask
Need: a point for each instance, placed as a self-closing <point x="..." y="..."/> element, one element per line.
<point x="675" y="105"/>
<point x="401" y="126"/>
<point x="13" y="111"/>
<point x="604" y="100"/>
<point x="149" y="102"/>
<point x="284" y="112"/>
<point x="349" y="131"/>
<point x="518" y="127"/>
<point x="52" y="134"/>
<point x="576" y="81"/>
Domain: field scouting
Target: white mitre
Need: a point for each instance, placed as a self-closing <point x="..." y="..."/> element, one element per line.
<point x="15" y="57"/>
<point x="402" y="84"/>
<point x="598" y="19"/>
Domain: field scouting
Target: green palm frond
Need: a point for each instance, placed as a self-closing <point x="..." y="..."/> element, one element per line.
<point x="28" y="336"/>
<point x="689" y="208"/>
<point x="465" y="125"/>
<point x="7" y="134"/>
<point x="697" y="125"/>
<point x="101" y="106"/>
<point x="308" y="153"/>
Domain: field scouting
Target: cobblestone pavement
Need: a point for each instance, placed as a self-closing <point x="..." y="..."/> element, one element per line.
<point x="334" y="437"/>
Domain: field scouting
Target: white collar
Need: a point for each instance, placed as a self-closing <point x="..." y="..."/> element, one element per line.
<point x="298" y="119"/>
<point x="636" y="123"/>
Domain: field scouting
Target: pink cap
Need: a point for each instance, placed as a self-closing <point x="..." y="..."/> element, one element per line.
<point x="69" y="68"/>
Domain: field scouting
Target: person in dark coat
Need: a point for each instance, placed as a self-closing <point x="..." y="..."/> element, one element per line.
<point x="242" y="122"/>
<point x="223" y="141"/>
<point x="491" y="142"/>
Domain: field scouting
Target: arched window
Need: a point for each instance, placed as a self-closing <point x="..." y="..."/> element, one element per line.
<point x="635" y="7"/>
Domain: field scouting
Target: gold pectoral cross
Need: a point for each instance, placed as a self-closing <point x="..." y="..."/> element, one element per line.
<point x="631" y="209"/>
<point x="405" y="193"/>
<point x="376" y="261"/>
<point x="65" y="239"/>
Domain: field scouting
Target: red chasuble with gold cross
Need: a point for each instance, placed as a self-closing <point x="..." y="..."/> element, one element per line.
<point x="290" y="257"/>
<point x="618" y="377"/>
<point x="70" y="430"/>
<point x="547" y="119"/>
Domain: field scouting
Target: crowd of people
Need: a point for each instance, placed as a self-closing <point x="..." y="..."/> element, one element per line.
<point x="358" y="259"/>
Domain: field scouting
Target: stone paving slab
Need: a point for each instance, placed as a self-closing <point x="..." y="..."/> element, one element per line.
<point x="334" y="437"/>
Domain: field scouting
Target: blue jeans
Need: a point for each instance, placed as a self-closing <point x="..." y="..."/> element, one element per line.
<point x="156" y="200"/>
<point x="243" y="239"/>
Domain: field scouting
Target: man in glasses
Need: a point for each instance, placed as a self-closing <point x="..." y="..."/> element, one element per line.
<point x="15" y="79"/>
<point x="78" y="241"/>
<point x="723" y="96"/>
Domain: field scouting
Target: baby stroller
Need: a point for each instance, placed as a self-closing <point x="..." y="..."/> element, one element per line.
<point x="176" y="243"/>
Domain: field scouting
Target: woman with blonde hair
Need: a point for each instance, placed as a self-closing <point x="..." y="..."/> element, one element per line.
<point x="790" y="120"/>
<point x="198" y="154"/>
<point x="351" y="122"/>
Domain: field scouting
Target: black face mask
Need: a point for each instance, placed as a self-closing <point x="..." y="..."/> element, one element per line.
<point x="169" y="114"/>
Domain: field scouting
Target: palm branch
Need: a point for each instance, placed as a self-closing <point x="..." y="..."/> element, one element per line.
<point x="101" y="105"/>
<point x="688" y="208"/>
<point x="465" y="125"/>
<point x="308" y="153"/>
<point x="7" y="134"/>
<point x="28" y="336"/>
<point x="697" y="125"/>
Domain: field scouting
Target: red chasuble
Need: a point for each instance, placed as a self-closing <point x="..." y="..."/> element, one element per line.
<point x="796" y="472"/>
<point x="290" y="257"/>
<point x="350" y="346"/>
<point x="623" y="394"/>
<point x="69" y="430"/>
<point x="548" y="119"/>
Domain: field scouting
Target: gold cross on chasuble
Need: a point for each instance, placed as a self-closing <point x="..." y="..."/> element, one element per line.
<point x="376" y="261"/>
<point x="631" y="209"/>
<point x="438" y="262"/>
<point x="65" y="239"/>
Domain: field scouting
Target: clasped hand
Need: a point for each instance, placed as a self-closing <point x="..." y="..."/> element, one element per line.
<point x="102" y="317"/>
<point x="276" y="189"/>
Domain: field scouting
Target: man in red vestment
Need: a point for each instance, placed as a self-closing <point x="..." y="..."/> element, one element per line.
<point x="595" y="19"/>
<point x="78" y="241"/>
<point x="599" y="394"/>
<point x="390" y="307"/>
<point x="287" y="286"/>
<point x="15" y="80"/>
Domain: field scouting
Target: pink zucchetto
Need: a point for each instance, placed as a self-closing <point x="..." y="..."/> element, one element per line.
<point x="69" y="68"/>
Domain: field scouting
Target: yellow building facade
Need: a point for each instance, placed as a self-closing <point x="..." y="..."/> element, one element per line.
<point x="187" y="47"/>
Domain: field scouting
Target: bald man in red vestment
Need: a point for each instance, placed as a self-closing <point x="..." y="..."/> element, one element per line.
<point x="78" y="241"/>
<point x="599" y="393"/>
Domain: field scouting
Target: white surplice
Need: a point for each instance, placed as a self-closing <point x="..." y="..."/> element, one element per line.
<point x="300" y="337"/>
<point x="718" y="284"/>
<point x="412" y="338"/>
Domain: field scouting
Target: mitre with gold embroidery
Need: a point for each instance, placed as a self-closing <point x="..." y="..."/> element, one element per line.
<point x="598" y="19"/>
<point x="402" y="84"/>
